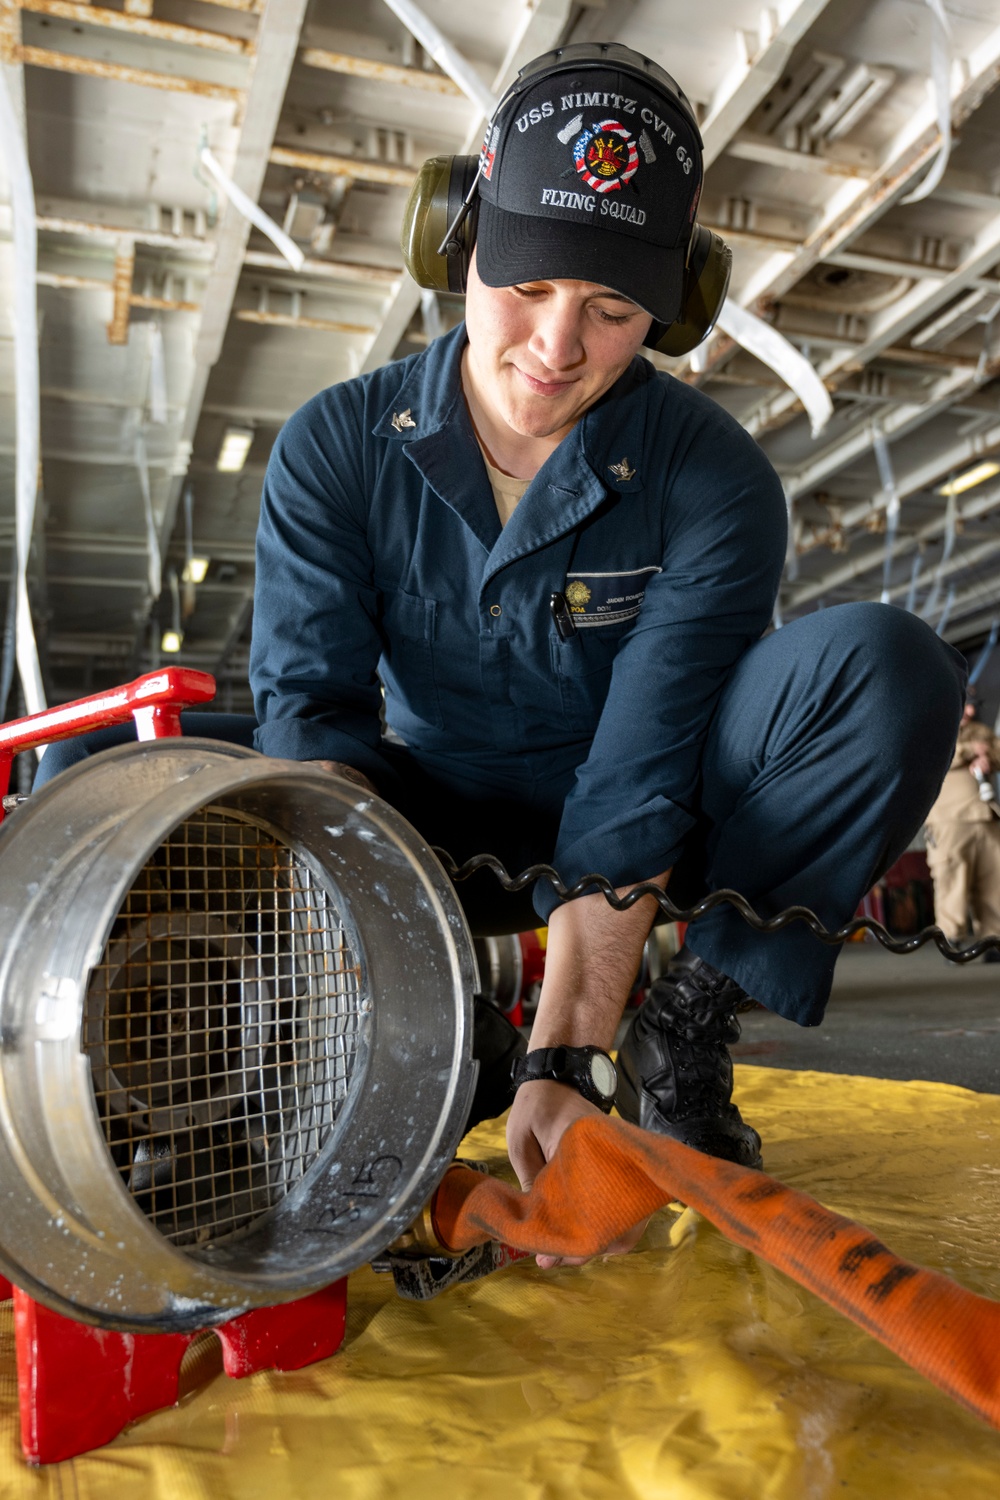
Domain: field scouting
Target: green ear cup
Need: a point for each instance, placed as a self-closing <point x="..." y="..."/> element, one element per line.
<point x="435" y="199"/>
<point x="710" y="264"/>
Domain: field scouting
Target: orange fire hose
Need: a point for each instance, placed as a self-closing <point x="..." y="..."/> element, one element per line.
<point x="607" y="1175"/>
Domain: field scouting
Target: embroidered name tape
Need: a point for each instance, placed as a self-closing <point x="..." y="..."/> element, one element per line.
<point x="606" y="598"/>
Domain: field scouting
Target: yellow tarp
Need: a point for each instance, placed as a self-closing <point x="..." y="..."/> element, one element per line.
<point x="688" y="1371"/>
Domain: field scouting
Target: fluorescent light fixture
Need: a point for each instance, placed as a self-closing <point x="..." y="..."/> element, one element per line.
<point x="171" y="641"/>
<point x="195" y="569"/>
<point x="969" y="478"/>
<point x="235" y="447"/>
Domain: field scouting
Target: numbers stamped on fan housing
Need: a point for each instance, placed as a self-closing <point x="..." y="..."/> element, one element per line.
<point x="371" y="1182"/>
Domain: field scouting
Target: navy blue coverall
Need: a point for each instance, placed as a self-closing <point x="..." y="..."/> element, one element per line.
<point x="663" y="731"/>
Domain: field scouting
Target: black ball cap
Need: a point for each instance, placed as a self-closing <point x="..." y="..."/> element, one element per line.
<point x="591" y="173"/>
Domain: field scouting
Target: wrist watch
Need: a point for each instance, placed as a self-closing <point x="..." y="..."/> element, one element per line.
<point x="589" y="1070"/>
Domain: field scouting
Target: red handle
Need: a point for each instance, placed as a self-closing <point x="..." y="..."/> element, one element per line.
<point x="153" y="701"/>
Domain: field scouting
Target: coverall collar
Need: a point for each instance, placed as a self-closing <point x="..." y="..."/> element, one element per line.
<point x="603" y="453"/>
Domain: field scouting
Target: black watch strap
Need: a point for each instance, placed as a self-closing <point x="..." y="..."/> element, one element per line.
<point x="589" y="1070"/>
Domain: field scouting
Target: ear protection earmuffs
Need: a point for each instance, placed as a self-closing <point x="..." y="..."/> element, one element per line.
<point x="439" y="223"/>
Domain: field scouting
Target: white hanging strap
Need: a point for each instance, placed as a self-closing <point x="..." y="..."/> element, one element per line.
<point x="447" y="57"/>
<point x="252" y="211"/>
<point x="986" y="653"/>
<point x="430" y="310"/>
<point x="157" y="390"/>
<point x="887" y="479"/>
<point x="950" y="528"/>
<point x="774" y="350"/>
<point x="12" y="148"/>
<point x="911" y="595"/>
<point x="791" y="556"/>
<point x="945" y="613"/>
<point x="941" y="60"/>
<point x="153" y="560"/>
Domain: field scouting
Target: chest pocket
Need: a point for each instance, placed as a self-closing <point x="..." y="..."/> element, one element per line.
<point x="582" y="667"/>
<point x="411" y="626"/>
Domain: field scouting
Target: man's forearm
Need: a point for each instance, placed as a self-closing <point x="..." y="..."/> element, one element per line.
<point x="591" y="963"/>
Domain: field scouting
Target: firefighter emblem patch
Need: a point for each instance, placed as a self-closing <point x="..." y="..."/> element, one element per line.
<point x="606" y="156"/>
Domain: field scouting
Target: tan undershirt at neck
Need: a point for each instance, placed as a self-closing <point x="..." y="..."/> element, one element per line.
<point x="506" y="491"/>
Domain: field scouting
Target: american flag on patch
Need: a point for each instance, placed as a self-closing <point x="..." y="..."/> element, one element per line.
<point x="489" y="151"/>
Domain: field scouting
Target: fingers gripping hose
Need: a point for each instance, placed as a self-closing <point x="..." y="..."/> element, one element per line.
<point x="608" y="1175"/>
<point x="594" y="883"/>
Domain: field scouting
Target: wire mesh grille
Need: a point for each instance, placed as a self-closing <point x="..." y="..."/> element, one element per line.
<point x="222" y="1025"/>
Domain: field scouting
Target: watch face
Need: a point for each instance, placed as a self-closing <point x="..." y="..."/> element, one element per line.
<point x="603" y="1074"/>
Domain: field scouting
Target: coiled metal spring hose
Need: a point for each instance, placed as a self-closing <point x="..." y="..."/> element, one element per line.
<point x="725" y="897"/>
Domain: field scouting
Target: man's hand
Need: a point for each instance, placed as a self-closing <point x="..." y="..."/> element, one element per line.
<point x="348" y="773"/>
<point x="981" y="760"/>
<point x="591" y="962"/>
<point x="540" y="1114"/>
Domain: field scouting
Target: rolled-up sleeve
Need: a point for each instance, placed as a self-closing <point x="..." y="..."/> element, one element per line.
<point x="316" y="641"/>
<point x="635" y="796"/>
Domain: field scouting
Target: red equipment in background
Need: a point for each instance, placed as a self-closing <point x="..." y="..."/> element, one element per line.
<point x="79" y="1386"/>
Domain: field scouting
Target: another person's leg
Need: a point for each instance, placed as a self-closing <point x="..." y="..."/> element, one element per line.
<point x="828" y="747"/>
<point x="948" y="859"/>
<point x="985" y="888"/>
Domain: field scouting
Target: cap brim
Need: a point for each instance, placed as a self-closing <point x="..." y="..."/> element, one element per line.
<point x="511" y="248"/>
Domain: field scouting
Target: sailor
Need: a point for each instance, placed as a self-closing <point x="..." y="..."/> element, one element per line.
<point x="521" y="585"/>
<point x="560" y="564"/>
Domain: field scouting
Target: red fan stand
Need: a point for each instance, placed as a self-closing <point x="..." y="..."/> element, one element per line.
<point x="79" y="1386"/>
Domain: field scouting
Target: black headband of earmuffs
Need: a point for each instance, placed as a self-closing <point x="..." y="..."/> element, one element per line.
<point x="441" y="217"/>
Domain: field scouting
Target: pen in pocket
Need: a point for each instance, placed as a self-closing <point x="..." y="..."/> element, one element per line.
<point x="564" y="622"/>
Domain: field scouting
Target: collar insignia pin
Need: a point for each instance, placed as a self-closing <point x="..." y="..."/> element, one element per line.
<point x="623" y="470"/>
<point x="401" y="419"/>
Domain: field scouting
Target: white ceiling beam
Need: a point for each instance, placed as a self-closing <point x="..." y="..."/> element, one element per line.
<point x="894" y="322"/>
<point x="874" y="558"/>
<point x="326" y="270"/>
<point x="760" y="148"/>
<point x="541" y="28"/>
<point x="357" y="169"/>
<point x="925" y="476"/>
<point x="854" y="208"/>
<point x="277" y="45"/>
<point x="965" y="627"/>
<point x="896" y="424"/>
<point x="116" y="20"/>
<point x="424" y="79"/>
<point x="762" y="58"/>
<point x="983" y="597"/>
<point x="397" y="317"/>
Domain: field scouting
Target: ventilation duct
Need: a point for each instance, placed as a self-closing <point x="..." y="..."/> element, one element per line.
<point x="235" y="999"/>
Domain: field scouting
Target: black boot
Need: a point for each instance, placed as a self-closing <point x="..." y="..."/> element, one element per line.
<point x="675" y="1073"/>
<point x="495" y="1044"/>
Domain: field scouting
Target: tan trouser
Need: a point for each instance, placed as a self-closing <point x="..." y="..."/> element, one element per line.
<point x="964" y="861"/>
